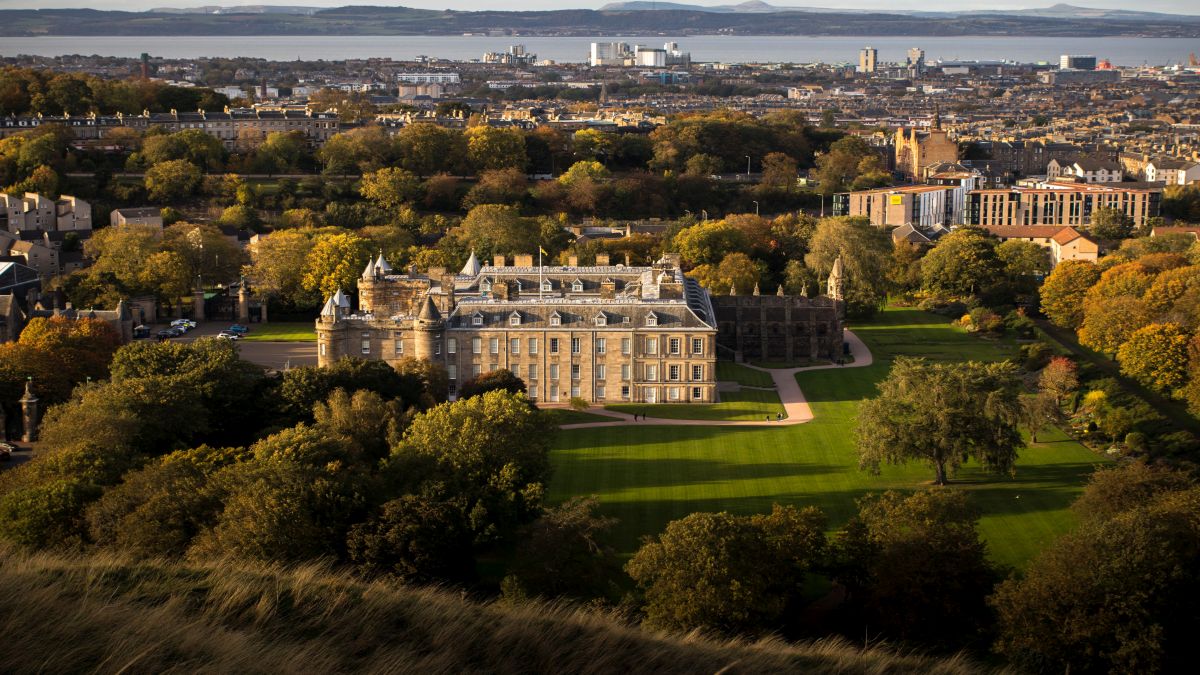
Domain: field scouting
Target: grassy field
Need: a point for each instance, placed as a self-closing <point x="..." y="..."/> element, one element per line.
<point x="567" y="416"/>
<point x="647" y="476"/>
<point x="728" y="371"/>
<point x="282" y="332"/>
<point x="744" y="405"/>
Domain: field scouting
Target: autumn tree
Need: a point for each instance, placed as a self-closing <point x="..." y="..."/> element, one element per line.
<point x="1157" y="356"/>
<point x="916" y="569"/>
<point x="1109" y="322"/>
<point x="390" y="188"/>
<point x="564" y="553"/>
<point x="1064" y="290"/>
<point x="1059" y="379"/>
<point x="1111" y="223"/>
<point x="779" y="171"/>
<point x="277" y="267"/>
<point x="172" y="181"/>
<point x="335" y="261"/>
<point x="865" y="251"/>
<point x="498" y="186"/>
<point x="839" y="167"/>
<point x="963" y="263"/>
<point x="942" y="413"/>
<point x="727" y="573"/>
<point x="736" y="271"/>
<point x="495" y="148"/>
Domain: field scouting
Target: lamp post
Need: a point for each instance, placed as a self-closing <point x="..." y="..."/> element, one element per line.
<point x="755" y="207"/>
<point x="747" y="166"/>
<point x="705" y="214"/>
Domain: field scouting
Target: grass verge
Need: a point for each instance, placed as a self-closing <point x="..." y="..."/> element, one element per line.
<point x="744" y="405"/>
<point x="728" y="371"/>
<point x="281" y="332"/>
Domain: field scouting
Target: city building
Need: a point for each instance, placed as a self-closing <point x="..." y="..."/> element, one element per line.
<point x="1172" y="171"/>
<point x="429" y="78"/>
<point x="36" y="212"/>
<point x="515" y="56"/>
<point x="1086" y="170"/>
<point x="1073" y="62"/>
<point x="922" y="206"/>
<point x="916" y="60"/>
<point x="1060" y="204"/>
<point x="609" y="54"/>
<point x="600" y="332"/>
<point x="1064" y="243"/>
<point x="1066" y="77"/>
<point x="915" y="149"/>
<point x="867" y="59"/>
<point x="146" y="215"/>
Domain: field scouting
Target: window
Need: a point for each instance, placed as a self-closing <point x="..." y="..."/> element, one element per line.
<point x="575" y="371"/>
<point x="673" y="373"/>
<point x="697" y="373"/>
<point x="574" y="390"/>
<point x="600" y="371"/>
<point x="532" y="345"/>
<point x="547" y="286"/>
<point x="485" y="285"/>
<point x="575" y="345"/>
<point x="477" y="320"/>
<point x="476" y="369"/>
<point x="555" y="319"/>
<point x="697" y="393"/>
<point x="533" y="370"/>
<point x="514" y="346"/>
<point x="625" y="392"/>
<point x="437" y="347"/>
<point x="493" y="345"/>
<point x="673" y="345"/>
<point x="514" y="319"/>
<point x="452" y="346"/>
<point x="601" y="345"/>
<point x="577" y="286"/>
<point x="672" y="393"/>
<point x="697" y="345"/>
<point x="399" y="346"/>
<point x="651" y="372"/>
<point x="366" y="345"/>
<point x="626" y="343"/>
<point x="515" y="368"/>
<point x="476" y="345"/>
<point x="651" y="319"/>
<point x="625" y="371"/>
<point x="600" y="392"/>
<point x="452" y="371"/>
<point x="533" y="392"/>
<point x="651" y="345"/>
<point x="601" y="320"/>
<point x="553" y="345"/>
<point x="322" y="349"/>
<point x="553" y="371"/>
<point x="493" y="367"/>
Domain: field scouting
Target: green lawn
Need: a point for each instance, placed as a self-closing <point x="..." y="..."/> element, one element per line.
<point x="647" y="476"/>
<point x="728" y="371"/>
<point x="282" y="332"/>
<point x="744" y="405"/>
<point x="567" y="416"/>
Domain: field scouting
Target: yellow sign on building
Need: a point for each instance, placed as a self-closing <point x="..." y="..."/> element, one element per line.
<point x="895" y="200"/>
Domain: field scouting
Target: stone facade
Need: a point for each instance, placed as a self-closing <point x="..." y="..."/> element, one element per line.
<point x="604" y="333"/>
<point x="778" y="328"/>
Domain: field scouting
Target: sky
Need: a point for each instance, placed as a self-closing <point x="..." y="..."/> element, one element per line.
<point x="1170" y="6"/>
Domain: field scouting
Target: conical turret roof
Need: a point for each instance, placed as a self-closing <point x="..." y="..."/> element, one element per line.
<point x="381" y="265"/>
<point x="472" y="267"/>
<point x="369" y="272"/>
<point x="429" y="311"/>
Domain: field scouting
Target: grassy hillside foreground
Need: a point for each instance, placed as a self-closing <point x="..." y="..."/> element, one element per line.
<point x="105" y="615"/>
<point x="647" y="475"/>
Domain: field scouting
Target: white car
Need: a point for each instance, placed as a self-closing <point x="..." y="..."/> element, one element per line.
<point x="226" y="335"/>
<point x="186" y="324"/>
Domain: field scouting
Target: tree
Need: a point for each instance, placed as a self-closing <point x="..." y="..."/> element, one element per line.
<point x="335" y="261"/>
<point x="172" y="181"/>
<point x="280" y="152"/>
<point x="839" y="167"/>
<point x="207" y="253"/>
<point x="563" y="553"/>
<point x="427" y="149"/>
<point x="1110" y="223"/>
<point x="904" y="271"/>
<point x="489" y="454"/>
<point x="963" y="263"/>
<point x="390" y="188"/>
<point x="865" y="251"/>
<point x="915" y="567"/>
<point x="495" y="380"/>
<point x="736" y="271"/>
<point x="359" y="150"/>
<point x="1039" y="410"/>
<point x="779" y="171"/>
<point x="498" y="186"/>
<point x="1064" y="290"/>
<point x="1023" y="260"/>
<point x="704" y="165"/>
<point x="1059" y="379"/>
<point x="495" y="148"/>
<point x="1116" y="595"/>
<point x="302" y="389"/>
<point x="1109" y="322"/>
<point x="277" y="267"/>
<point x="942" y="413"/>
<point x="708" y="242"/>
<point x="415" y="540"/>
<point x="1115" y="489"/>
<point x="495" y="229"/>
<point x="727" y="573"/>
<point x="1157" y="356"/>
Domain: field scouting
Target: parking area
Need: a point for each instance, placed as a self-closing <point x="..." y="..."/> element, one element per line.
<point x="274" y="355"/>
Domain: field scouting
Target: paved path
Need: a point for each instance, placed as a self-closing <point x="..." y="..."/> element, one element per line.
<point x="790" y="394"/>
<point x="273" y="355"/>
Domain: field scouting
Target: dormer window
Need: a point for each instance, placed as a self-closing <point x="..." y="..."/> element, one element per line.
<point x="477" y="319"/>
<point x="514" y="319"/>
<point x="547" y="286"/>
<point x="577" y="286"/>
<point x="518" y="285"/>
<point x="601" y="320"/>
<point x="556" y="319"/>
<point x="651" y="319"/>
<point x="486" y="285"/>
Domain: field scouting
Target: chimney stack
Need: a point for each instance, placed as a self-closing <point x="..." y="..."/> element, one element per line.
<point x="498" y="261"/>
<point x="602" y="259"/>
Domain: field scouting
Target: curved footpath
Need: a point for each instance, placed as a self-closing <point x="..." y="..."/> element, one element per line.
<point x="790" y="394"/>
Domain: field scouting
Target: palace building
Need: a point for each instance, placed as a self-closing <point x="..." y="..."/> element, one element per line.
<point x="604" y="332"/>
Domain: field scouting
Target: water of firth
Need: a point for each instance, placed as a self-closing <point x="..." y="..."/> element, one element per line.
<point x="729" y="49"/>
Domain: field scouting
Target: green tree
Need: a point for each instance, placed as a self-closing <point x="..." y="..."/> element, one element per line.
<point x="495" y="148"/>
<point x="495" y="380"/>
<point x="725" y="572"/>
<point x="277" y="267"/>
<point x="335" y="261"/>
<point x="390" y="188"/>
<point x="172" y="181"/>
<point x="963" y="263"/>
<point x="865" y="251"/>
<point x="416" y="540"/>
<point x="708" y="242"/>
<point x="915" y="568"/>
<point x="838" y="168"/>
<point x="496" y="229"/>
<point x="498" y="186"/>
<point x="942" y="413"/>
<point x="427" y="149"/>
<point x="564" y="554"/>
<point x="703" y="164"/>
<point x="1157" y="356"/>
<point x="1110" y="223"/>
<point x="1064" y="290"/>
<point x="779" y="171"/>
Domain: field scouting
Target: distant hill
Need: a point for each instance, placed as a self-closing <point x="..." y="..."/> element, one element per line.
<point x="105" y="614"/>
<point x="363" y="20"/>
<point x="1059" y="11"/>
<point x="239" y="9"/>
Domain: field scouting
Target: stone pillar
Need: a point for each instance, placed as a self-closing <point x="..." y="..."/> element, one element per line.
<point x="243" y="306"/>
<point x="198" y="305"/>
<point x="29" y="413"/>
<point x="263" y="305"/>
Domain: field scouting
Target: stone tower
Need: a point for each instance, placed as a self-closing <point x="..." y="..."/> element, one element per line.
<point x="427" y="330"/>
<point x="29" y="413"/>
<point x="835" y="288"/>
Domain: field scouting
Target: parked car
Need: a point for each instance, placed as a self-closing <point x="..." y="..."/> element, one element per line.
<point x="165" y="334"/>
<point x="187" y="324"/>
<point x="6" y="451"/>
<point x="238" y="328"/>
<point x="141" y="332"/>
<point x="228" y="335"/>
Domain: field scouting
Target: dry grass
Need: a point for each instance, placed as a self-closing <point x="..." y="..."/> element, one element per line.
<point x="104" y="614"/>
